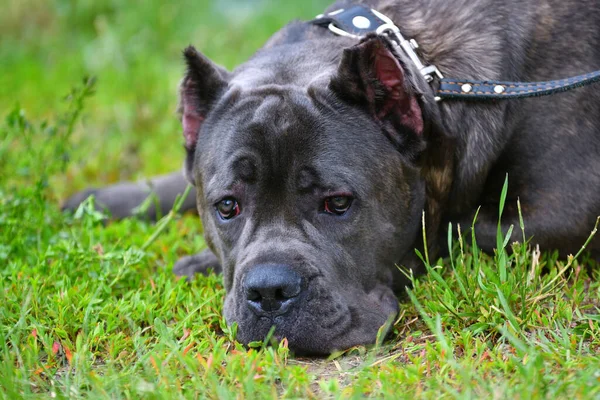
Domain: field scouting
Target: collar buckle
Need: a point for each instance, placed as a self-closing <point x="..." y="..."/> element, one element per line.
<point x="429" y="72"/>
<point x="357" y="21"/>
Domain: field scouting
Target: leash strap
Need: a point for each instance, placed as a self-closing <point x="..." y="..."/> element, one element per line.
<point x="358" y="21"/>
<point x="465" y="89"/>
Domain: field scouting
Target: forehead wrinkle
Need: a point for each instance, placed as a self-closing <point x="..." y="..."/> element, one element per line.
<point x="274" y="115"/>
<point x="340" y="175"/>
<point x="279" y="125"/>
<point x="212" y="188"/>
<point x="244" y="165"/>
<point x="225" y="178"/>
<point x="244" y="104"/>
<point x="273" y="89"/>
<point x="307" y="178"/>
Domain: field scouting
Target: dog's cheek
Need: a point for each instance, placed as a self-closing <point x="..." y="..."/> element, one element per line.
<point x="236" y="311"/>
<point x="211" y="237"/>
<point x="188" y="168"/>
<point x="230" y="308"/>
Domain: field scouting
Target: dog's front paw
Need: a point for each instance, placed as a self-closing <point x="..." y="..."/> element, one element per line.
<point x="73" y="202"/>
<point x="119" y="200"/>
<point x="199" y="263"/>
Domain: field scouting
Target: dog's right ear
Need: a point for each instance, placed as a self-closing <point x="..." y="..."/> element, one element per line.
<point x="372" y="77"/>
<point x="203" y="84"/>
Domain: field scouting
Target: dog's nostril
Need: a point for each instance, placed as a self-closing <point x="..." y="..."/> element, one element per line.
<point x="279" y="294"/>
<point x="253" y="295"/>
<point x="271" y="287"/>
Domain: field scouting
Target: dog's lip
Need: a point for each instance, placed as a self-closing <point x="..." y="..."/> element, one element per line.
<point x="343" y="329"/>
<point x="344" y="315"/>
<point x="282" y="311"/>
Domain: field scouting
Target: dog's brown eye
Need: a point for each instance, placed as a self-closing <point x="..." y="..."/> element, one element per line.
<point x="337" y="205"/>
<point x="228" y="208"/>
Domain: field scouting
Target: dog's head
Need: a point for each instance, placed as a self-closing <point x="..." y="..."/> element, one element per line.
<point x="309" y="191"/>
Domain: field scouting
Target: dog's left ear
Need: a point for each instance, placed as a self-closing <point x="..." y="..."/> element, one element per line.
<point x="203" y="84"/>
<point x="370" y="75"/>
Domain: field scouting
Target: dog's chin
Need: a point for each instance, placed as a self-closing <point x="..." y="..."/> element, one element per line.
<point x="318" y="328"/>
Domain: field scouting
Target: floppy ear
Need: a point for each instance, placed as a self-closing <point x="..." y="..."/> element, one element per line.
<point x="203" y="84"/>
<point x="370" y="76"/>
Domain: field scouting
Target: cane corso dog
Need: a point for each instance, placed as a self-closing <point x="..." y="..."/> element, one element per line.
<point x="314" y="162"/>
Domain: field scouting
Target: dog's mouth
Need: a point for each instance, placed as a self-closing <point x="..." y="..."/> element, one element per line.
<point x="315" y="318"/>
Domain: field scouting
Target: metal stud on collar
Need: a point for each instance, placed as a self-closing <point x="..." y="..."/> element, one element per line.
<point x="361" y="22"/>
<point x="499" y="89"/>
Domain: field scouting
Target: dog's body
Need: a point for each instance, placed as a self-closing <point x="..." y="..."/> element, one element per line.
<point x="304" y="127"/>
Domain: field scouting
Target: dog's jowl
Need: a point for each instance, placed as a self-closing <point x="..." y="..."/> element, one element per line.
<point x="314" y="161"/>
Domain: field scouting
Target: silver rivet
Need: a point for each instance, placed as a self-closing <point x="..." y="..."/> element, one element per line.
<point x="413" y="44"/>
<point x="499" y="89"/>
<point x="466" y="88"/>
<point x="361" y="22"/>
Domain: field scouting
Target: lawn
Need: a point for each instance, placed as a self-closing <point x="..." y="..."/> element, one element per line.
<point x="90" y="308"/>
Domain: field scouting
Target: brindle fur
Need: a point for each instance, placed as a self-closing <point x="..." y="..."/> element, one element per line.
<point x="549" y="147"/>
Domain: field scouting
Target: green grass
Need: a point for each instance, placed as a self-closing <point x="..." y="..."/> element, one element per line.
<point x="89" y="309"/>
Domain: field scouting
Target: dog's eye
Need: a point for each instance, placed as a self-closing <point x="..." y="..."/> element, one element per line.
<point x="337" y="205"/>
<point x="228" y="208"/>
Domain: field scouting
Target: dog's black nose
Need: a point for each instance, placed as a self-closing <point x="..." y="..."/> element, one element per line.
<point x="271" y="288"/>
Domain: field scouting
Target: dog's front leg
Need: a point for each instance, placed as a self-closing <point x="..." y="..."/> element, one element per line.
<point x="486" y="226"/>
<point x="199" y="263"/>
<point x="550" y="228"/>
<point x="122" y="199"/>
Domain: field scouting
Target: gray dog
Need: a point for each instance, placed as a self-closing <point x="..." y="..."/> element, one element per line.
<point x="313" y="162"/>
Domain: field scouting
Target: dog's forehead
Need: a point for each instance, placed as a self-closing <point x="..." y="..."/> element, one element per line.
<point x="282" y="132"/>
<point x="270" y="120"/>
<point x="281" y="68"/>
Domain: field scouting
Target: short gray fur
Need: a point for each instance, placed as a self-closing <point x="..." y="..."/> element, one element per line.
<point x="279" y="130"/>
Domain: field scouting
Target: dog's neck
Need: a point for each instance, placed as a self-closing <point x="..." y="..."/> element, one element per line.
<point x="475" y="45"/>
<point x="460" y="40"/>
